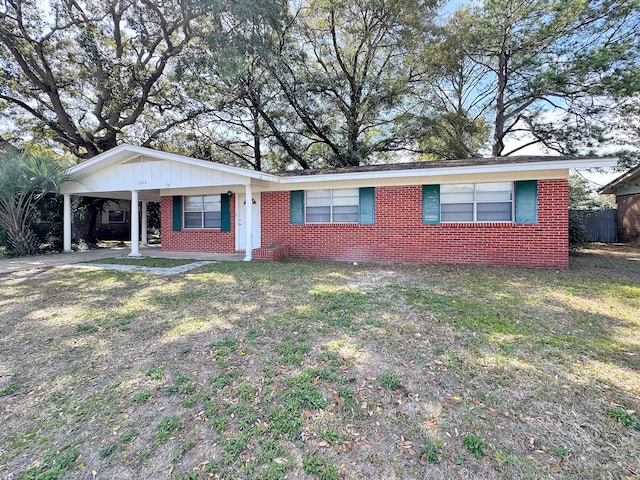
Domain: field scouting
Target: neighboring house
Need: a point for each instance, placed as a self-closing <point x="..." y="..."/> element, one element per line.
<point x="626" y="188"/>
<point x="490" y="211"/>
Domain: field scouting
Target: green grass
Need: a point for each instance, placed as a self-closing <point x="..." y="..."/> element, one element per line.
<point x="627" y="419"/>
<point x="430" y="451"/>
<point x="292" y="351"/>
<point x="129" y="436"/>
<point x="55" y="466"/>
<point x="9" y="388"/>
<point x="390" y="381"/>
<point x="332" y="436"/>
<point x="146" y="262"/>
<point x="474" y="444"/>
<point x="142" y="397"/>
<point x="314" y="370"/>
<point x="167" y="427"/>
<point x="107" y="450"/>
<point x="320" y="468"/>
<point x="155" y="373"/>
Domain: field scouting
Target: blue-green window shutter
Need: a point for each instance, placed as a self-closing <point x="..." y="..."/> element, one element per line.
<point x="177" y="213"/>
<point x="527" y="201"/>
<point x="225" y="212"/>
<point x="367" y="210"/>
<point x="431" y="204"/>
<point x="296" y="203"/>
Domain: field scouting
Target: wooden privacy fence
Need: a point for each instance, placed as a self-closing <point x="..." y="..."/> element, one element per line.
<point x="600" y="225"/>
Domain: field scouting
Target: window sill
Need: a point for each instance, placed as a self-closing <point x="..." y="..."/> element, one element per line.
<point x="212" y="229"/>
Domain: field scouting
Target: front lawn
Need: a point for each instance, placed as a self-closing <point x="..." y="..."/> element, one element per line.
<point x="151" y="262"/>
<point x="305" y="370"/>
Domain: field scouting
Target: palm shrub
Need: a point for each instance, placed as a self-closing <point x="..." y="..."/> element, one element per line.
<point x="24" y="181"/>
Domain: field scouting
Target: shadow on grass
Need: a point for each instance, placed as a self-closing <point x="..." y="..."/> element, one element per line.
<point x="264" y="364"/>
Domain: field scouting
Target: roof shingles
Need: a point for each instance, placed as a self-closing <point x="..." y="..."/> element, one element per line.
<point x="469" y="162"/>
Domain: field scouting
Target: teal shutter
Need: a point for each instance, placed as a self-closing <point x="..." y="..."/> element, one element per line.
<point x="177" y="213"/>
<point x="431" y="204"/>
<point x="296" y="204"/>
<point x="225" y="212"/>
<point x="527" y="201"/>
<point x="367" y="210"/>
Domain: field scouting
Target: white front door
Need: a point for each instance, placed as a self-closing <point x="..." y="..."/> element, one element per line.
<point x="241" y="212"/>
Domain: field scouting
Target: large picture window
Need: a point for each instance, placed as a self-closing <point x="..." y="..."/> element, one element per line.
<point x="332" y="206"/>
<point x="202" y="211"/>
<point x="480" y="202"/>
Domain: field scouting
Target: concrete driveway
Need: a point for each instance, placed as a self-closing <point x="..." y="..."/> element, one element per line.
<point x="9" y="265"/>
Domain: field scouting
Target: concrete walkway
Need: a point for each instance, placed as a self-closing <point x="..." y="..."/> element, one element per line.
<point x="9" y="265"/>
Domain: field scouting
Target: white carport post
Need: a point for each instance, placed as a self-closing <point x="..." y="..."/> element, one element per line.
<point x="66" y="231"/>
<point x="248" y="223"/>
<point x="135" y="232"/>
<point x="143" y="227"/>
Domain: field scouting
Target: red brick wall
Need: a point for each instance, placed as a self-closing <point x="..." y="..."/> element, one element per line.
<point x="629" y="218"/>
<point x="398" y="234"/>
<point x="210" y="241"/>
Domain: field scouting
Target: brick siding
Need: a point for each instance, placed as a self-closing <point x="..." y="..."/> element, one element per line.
<point x="629" y="218"/>
<point x="398" y="234"/>
<point x="207" y="240"/>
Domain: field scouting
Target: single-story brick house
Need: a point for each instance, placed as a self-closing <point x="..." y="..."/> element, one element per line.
<point x="491" y="211"/>
<point x="626" y="188"/>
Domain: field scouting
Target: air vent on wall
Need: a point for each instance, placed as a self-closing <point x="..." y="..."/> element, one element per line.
<point x="141" y="159"/>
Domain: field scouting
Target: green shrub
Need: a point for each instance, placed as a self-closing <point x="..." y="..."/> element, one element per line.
<point x="578" y="236"/>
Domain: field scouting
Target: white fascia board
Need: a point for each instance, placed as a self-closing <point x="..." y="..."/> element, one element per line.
<point x="617" y="186"/>
<point x="126" y="152"/>
<point x="446" y="171"/>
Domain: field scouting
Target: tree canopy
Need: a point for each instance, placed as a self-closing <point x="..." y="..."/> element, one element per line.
<point x="272" y="84"/>
<point x="87" y="75"/>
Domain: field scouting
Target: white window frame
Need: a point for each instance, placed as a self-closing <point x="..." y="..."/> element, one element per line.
<point x="202" y="211"/>
<point x="331" y="204"/>
<point x="475" y="202"/>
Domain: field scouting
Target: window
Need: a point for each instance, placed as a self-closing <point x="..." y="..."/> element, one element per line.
<point x="480" y="202"/>
<point x="332" y="206"/>
<point x="202" y="211"/>
<point x="117" y="216"/>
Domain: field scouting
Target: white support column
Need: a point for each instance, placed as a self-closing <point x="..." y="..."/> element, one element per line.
<point x="66" y="231"/>
<point x="143" y="227"/>
<point x="135" y="231"/>
<point x="248" y="223"/>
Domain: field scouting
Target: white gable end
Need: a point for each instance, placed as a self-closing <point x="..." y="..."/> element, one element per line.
<point x="160" y="174"/>
<point x="126" y="169"/>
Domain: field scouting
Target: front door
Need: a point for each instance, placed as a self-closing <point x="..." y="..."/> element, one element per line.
<point x="241" y="212"/>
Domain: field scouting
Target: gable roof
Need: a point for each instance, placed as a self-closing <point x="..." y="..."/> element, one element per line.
<point x="125" y="153"/>
<point x="550" y="162"/>
<point x="126" y="168"/>
<point x="446" y="167"/>
<point x="628" y="182"/>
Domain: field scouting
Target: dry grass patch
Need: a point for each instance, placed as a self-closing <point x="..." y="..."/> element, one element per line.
<point x="323" y="370"/>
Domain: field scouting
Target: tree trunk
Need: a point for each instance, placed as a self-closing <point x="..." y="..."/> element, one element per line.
<point x="257" y="153"/>
<point x="86" y="219"/>
<point x="498" y="134"/>
<point x="21" y="239"/>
